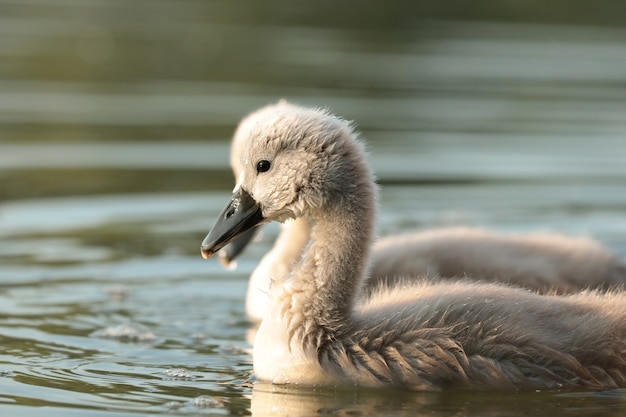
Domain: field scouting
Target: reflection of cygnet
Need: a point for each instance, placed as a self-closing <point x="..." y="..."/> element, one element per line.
<point x="542" y="262"/>
<point x="418" y="335"/>
<point x="270" y="400"/>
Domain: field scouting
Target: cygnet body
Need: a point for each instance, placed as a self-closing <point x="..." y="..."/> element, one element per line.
<point x="419" y="335"/>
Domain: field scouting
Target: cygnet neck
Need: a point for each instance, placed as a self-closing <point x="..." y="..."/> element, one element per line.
<point x="318" y="296"/>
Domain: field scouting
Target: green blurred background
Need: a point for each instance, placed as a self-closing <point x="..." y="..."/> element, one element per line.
<point x="185" y="71"/>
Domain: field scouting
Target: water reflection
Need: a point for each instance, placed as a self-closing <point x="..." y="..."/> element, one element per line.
<point x="270" y="400"/>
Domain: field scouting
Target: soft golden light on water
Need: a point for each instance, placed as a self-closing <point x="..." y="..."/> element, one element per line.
<point x="115" y="125"/>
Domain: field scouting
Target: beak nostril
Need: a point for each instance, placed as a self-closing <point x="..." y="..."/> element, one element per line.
<point x="233" y="208"/>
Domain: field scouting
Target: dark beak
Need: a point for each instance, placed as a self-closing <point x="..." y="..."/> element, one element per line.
<point x="234" y="248"/>
<point x="240" y="215"/>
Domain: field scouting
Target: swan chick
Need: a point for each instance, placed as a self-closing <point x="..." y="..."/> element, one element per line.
<point x="543" y="262"/>
<point x="302" y="162"/>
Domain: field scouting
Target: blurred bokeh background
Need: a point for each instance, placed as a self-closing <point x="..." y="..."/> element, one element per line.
<point x="115" y="123"/>
<point x="113" y="95"/>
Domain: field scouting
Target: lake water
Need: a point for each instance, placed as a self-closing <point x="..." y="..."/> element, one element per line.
<point x="115" y="121"/>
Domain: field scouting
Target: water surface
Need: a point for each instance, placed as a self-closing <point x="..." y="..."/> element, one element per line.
<point x="115" y="121"/>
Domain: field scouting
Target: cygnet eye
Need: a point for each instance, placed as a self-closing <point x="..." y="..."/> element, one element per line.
<point x="263" y="165"/>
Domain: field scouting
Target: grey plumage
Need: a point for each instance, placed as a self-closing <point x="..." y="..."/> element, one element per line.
<point x="416" y="334"/>
<point x="544" y="262"/>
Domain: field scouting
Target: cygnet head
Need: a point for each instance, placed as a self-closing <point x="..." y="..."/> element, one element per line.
<point x="296" y="161"/>
<point x="244" y="130"/>
<point x="240" y="138"/>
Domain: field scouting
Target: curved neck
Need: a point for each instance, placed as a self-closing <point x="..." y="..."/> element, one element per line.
<point x="337" y="260"/>
<point x="318" y="296"/>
